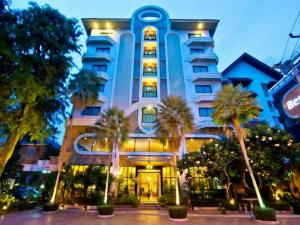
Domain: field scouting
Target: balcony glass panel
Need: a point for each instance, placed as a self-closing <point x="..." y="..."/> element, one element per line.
<point x="150" y="71"/>
<point x="149" y="53"/>
<point x="149" y="91"/>
<point x="92" y="144"/>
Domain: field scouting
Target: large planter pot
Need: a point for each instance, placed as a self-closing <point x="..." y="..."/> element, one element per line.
<point x="106" y="211"/>
<point x="49" y="208"/>
<point x="178" y="213"/>
<point x="296" y="208"/>
<point x="264" y="214"/>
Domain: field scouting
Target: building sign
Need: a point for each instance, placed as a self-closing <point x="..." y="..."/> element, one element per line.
<point x="291" y="102"/>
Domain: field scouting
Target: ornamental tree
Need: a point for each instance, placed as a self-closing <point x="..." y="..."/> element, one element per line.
<point x="217" y="160"/>
<point x="34" y="69"/>
<point x="272" y="153"/>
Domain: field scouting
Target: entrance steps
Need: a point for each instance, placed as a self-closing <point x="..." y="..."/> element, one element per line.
<point x="149" y="206"/>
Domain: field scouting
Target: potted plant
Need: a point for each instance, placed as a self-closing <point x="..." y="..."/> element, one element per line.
<point x="106" y="211"/>
<point x="178" y="213"/>
<point x="49" y="208"/>
<point x="264" y="214"/>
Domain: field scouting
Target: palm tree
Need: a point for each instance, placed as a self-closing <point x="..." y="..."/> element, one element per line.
<point x="113" y="129"/>
<point x="83" y="89"/>
<point x="235" y="106"/>
<point x="174" y="119"/>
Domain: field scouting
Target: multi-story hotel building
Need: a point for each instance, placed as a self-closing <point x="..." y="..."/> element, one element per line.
<point x="141" y="61"/>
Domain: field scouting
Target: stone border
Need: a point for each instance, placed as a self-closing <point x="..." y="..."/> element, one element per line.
<point x="268" y="222"/>
<point x="178" y="220"/>
<point x="105" y="216"/>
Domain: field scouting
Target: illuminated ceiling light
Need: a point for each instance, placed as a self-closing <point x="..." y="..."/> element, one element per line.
<point x="200" y="26"/>
<point x="149" y="107"/>
<point x="95" y="25"/>
<point x="108" y="25"/>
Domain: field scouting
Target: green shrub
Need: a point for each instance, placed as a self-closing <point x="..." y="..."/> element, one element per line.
<point x="50" y="207"/>
<point x="265" y="214"/>
<point x="279" y="205"/>
<point x="162" y="201"/>
<point x="106" y="210"/>
<point x="178" y="212"/>
<point x="134" y="201"/>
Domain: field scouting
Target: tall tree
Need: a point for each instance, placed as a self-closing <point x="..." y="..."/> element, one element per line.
<point x="234" y="106"/>
<point x="33" y="97"/>
<point x="174" y="119"/>
<point x="113" y="128"/>
<point x="84" y="90"/>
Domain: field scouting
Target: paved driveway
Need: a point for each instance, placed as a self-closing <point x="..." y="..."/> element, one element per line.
<point x="64" y="217"/>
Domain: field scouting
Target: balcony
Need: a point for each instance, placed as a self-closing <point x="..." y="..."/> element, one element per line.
<point x="101" y="40"/>
<point x="149" y="74"/>
<point x="205" y="98"/>
<point x="102" y="75"/>
<point x="206" y="76"/>
<point x="149" y="94"/>
<point x="88" y="56"/>
<point x="204" y="57"/>
<point x="205" y="123"/>
<point x="101" y="97"/>
<point x="200" y="41"/>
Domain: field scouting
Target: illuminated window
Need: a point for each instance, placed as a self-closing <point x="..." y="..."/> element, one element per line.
<point x="127" y="175"/>
<point x="203" y="88"/>
<point x="168" y="184"/>
<point x="149" y="90"/>
<point x="150" y="69"/>
<point x="150" y="34"/>
<point x="149" y="115"/>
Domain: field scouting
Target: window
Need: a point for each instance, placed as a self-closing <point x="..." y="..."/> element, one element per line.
<point x="194" y="35"/>
<point x="128" y="176"/>
<point x="150" y="34"/>
<point x="199" y="69"/>
<point x="99" y="68"/>
<point x="265" y="89"/>
<point x="168" y="184"/>
<point x="103" y="50"/>
<point x="205" y="112"/>
<point x="91" y="111"/>
<point x="149" y="53"/>
<point x="101" y="87"/>
<point x="203" y="88"/>
<point x="196" y="50"/>
<point x="149" y="115"/>
<point x="150" y="69"/>
<point x="149" y="91"/>
<point x="271" y="106"/>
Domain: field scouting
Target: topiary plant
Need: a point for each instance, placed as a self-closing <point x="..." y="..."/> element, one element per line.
<point x="265" y="214"/>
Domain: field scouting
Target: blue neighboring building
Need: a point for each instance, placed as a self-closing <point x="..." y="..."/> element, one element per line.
<point x="256" y="77"/>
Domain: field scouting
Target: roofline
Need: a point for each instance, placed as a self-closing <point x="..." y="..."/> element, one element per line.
<point x="257" y="64"/>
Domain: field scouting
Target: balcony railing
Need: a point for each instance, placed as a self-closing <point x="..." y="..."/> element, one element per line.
<point x="149" y="94"/>
<point x="149" y="74"/>
<point x="150" y="37"/>
<point x="149" y="53"/>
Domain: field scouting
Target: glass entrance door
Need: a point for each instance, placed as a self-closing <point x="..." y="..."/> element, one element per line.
<point x="149" y="185"/>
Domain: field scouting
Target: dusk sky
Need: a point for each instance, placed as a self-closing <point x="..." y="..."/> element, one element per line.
<point x="259" y="27"/>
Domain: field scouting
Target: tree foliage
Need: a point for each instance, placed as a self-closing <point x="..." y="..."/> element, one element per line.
<point x="35" y="49"/>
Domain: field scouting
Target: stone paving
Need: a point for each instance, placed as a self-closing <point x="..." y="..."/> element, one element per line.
<point x="138" y="217"/>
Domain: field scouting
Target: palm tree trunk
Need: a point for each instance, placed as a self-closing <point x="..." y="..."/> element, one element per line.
<point x="59" y="167"/>
<point x="8" y="149"/>
<point x="237" y="130"/>
<point x="107" y="179"/>
<point x="176" y="179"/>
